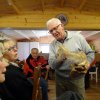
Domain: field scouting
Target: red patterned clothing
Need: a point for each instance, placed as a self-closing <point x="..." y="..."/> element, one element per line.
<point x="31" y="63"/>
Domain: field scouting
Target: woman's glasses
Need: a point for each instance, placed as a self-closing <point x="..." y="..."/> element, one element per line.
<point x="11" y="48"/>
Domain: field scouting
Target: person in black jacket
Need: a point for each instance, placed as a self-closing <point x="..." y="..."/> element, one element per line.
<point x="16" y="85"/>
<point x="2" y="66"/>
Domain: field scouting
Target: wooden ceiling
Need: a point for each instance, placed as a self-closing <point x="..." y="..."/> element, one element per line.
<point x="29" y="6"/>
<point x="33" y="14"/>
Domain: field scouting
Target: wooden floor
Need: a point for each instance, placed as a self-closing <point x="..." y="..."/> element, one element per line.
<point x="93" y="93"/>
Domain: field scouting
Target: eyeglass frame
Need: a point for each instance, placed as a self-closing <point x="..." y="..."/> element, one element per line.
<point x="54" y="29"/>
<point x="11" y="48"/>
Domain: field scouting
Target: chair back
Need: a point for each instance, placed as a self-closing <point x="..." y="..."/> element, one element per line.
<point x="93" y="71"/>
<point x="37" y="93"/>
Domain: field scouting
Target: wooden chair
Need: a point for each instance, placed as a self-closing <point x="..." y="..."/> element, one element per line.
<point x="37" y="93"/>
<point x="94" y="72"/>
<point x="46" y="76"/>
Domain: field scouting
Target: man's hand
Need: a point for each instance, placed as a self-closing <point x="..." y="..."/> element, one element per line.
<point x="47" y="67"/>
<point x="81" y="68"/>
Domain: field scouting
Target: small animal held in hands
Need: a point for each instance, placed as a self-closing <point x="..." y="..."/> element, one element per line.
<point x="79" y="59"/>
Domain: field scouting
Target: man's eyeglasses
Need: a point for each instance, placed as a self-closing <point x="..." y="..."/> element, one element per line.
<point x="54" y="29"/>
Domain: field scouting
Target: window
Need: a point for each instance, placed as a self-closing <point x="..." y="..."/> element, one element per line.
<point x="44" y="48"/>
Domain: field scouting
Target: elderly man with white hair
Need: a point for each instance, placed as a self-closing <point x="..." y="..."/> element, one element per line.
<point x="70" y="57"/>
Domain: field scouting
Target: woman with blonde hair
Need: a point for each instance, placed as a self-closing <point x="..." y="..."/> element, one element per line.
<point x="16" y="85"/>
<point x="2" y="65"/>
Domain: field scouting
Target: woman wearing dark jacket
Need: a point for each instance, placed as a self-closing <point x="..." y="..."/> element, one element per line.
<point x="16" y="85"/>
<point x="2" y="66"/>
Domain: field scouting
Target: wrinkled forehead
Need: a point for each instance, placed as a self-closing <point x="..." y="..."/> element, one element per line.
<point x="35" y="51"/>
<point x="53" y="22"/>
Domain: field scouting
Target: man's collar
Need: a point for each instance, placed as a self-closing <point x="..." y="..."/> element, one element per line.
<point x="67" y="36"/>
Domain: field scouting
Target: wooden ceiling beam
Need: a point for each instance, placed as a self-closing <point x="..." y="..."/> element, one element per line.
<point x="11" y="3"/>
<point x="62" y="3"/>
<point x="37" y="20"/>
<point x="42" y="4"/>
<point x="82" y="4"/>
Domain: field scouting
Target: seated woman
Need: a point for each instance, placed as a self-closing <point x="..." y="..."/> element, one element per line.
<point x="2" y="65"/>
<point x="16" y="86"/>
<point x="35" y="60"/>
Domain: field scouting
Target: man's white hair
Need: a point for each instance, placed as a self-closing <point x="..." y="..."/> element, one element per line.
<point x="53" y="20"/>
